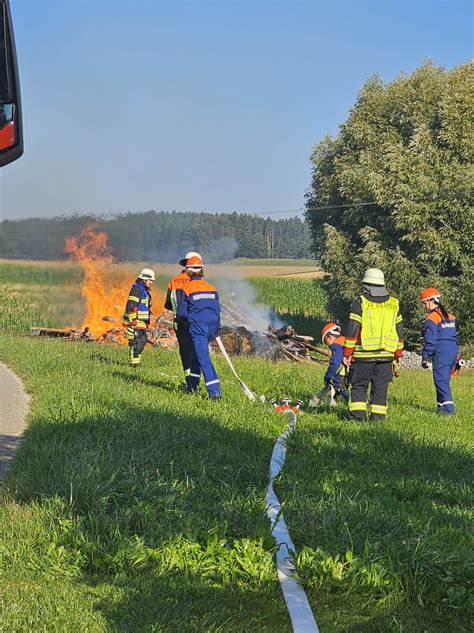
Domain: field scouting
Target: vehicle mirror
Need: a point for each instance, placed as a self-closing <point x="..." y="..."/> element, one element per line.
<point x="11" y="129"/>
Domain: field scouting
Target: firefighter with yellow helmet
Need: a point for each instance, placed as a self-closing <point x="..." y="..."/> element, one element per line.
<point x="374" y="339"/>
<point x="137" y="315"/>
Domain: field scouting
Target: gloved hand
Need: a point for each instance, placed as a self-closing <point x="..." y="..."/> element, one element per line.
<point x="424" y="364"/>
<point x="129" y="333"/>
<point x="396" y="368"/>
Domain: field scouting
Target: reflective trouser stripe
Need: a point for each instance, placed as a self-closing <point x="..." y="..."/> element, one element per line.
<point x="194" y="375"/>
<point x="212" y="382"/>
<point x="380" y="409"/>
<point x="357" y="406"/>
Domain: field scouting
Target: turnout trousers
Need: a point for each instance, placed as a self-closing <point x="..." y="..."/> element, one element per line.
<point x="137" y="345"/>
<point x="444" y="360"/>
<point x="378" y="374"/>
<point x="200" y="360"/>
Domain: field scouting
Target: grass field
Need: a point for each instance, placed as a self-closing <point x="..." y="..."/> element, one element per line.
<point x="135" y="503"/>
<point x="133" y="507"/>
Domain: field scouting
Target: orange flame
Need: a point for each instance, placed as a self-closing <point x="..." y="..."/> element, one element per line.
<point x="105" y="288"/>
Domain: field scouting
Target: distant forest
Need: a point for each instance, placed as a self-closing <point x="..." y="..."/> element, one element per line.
<point x="162" y="236"/>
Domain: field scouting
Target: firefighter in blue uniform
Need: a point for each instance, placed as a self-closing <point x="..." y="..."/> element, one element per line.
<point x="198" y="304"/>
<point x="331" y="336"/>
<point x="441" y="344"/>
<point x="136" y="318"/>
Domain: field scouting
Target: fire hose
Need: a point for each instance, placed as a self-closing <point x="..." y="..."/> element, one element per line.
<point x="248" y="392"/>
<point x="300" y="612"/>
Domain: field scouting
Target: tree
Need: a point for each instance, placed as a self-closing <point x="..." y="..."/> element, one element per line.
<point x="399" y="178"/>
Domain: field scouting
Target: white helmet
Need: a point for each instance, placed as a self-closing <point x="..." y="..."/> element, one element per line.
<point x="147" y="273"/>
<point x="374" y="276"/>
<point x="183" y="262"/>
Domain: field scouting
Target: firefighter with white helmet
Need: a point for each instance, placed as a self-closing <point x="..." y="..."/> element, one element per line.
<point x="181" y="327"/>
<point x="440" y="344"/>
<point x="374" y="338"/>
<point x="137" y="315"/>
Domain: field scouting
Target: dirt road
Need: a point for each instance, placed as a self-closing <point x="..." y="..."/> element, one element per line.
<point x="14" y="404"/>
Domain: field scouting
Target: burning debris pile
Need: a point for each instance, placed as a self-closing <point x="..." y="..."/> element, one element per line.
<point x="161" y="333"/>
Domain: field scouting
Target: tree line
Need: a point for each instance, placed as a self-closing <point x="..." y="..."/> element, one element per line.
<point x="162" y="236"/>
<point x="394" y="190"/>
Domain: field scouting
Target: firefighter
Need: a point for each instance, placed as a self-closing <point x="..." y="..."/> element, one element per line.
<point x="136" y="318"/>
<point x="198" y="304"/>
<point x="181" y="327"/>
<point x="335" y="375"/>
<point x="374" y="338"/>
<point x="441" y="344"/>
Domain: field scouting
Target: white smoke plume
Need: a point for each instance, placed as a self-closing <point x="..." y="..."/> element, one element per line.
<point x="240" y="306"/>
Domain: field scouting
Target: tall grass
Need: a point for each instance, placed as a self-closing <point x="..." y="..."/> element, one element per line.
<point x="302" y="297"/>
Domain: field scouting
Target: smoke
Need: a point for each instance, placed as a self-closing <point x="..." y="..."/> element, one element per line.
<point x="240" y="306"/>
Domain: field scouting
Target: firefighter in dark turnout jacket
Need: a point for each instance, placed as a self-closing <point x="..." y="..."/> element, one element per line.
<point x="136" y="318"/>
<point x="441" y="344"/>
<point x="198" y="304"/>
<point x="181" y="327"/>
<point x="374" y="338"/>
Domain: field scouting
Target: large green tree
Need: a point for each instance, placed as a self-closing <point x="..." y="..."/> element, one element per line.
<point x="397" y="184"/>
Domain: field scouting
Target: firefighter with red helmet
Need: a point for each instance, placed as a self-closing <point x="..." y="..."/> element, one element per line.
<point x="137" y="315"/>
<point x="181" y="327"/>
<point x="331" y="336"/>
<point x="440" y="344"/>
<point x="198" y="305"/>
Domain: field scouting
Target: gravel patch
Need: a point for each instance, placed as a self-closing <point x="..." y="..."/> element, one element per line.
<point x="14" y="406"/>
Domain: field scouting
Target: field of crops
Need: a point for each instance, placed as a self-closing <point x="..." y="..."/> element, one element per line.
<point x="133" y="507"/>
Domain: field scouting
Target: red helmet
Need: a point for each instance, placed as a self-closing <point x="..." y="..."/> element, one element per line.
<point x="430" y="293"/>
<point x="330" y="328"/>
<point x="194" y="262"/>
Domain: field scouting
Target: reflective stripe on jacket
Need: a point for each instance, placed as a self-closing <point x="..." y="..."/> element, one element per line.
<point x="375" y="328"/>
<point x="138" y="308"/>
<point x="198" y="302"/>
<point x="438" y="332"/>
<point x="174" y="285"/>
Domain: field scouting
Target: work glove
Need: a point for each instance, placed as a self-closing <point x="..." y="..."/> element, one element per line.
<point x="424" y="364"/>
<point x="129" y="333"/>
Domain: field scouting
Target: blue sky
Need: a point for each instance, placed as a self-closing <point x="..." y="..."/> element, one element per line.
<point x="200" y="106"/>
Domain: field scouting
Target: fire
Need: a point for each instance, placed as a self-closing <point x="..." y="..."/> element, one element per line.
<point x="105" y="287"/>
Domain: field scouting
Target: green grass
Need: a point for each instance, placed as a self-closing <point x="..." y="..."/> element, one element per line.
<point x="132" y="507"/>
<point x="244" y="261"/>
<point x="135" y="503"/>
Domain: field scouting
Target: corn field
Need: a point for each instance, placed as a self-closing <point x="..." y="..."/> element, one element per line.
<point x="304" y="297"/>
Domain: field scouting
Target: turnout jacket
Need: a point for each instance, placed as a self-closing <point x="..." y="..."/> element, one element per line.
<point x="439" y="333"/>
<point x="374" y="330"/>
<point x="174" y="285"/>
<point x="198" y="302"/>
<point x="337" y="349"/>
<point x="138" y="308"/>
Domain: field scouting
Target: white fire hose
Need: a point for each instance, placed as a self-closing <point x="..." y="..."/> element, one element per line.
<point x="248" y="392"/>
<point x="302" y="617"/>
